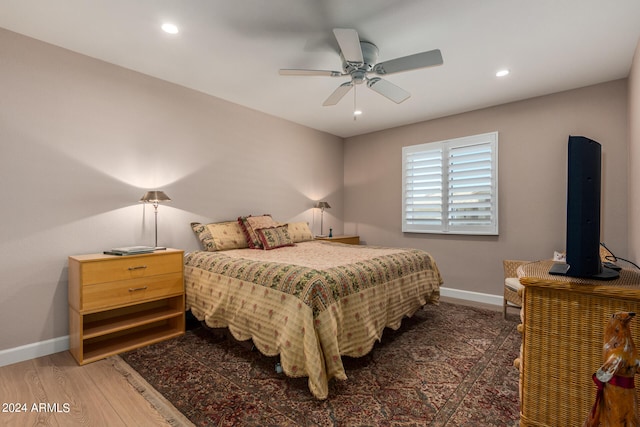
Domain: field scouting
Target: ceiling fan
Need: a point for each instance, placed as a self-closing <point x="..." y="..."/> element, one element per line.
<point x="359" y="58"/>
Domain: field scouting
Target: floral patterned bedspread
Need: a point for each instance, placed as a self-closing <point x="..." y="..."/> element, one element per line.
<point x="312" y="302"/>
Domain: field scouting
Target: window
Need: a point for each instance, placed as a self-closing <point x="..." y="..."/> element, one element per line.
<point x="451" y="186"/>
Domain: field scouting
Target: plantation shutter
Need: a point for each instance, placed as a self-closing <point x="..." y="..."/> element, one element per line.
<point x="423" y="196"/>
<point x="451" y="186"/>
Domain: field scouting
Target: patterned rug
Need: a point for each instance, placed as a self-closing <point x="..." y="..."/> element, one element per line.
<point x="448" y="365"/>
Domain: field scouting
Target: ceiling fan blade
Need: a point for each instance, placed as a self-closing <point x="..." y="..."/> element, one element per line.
<point x="388" y="89"/>
<point x="411" y="62"/>
<point x="349" y="43"/>
<point x="338" y="94"/>
<point x="298" y="72"/>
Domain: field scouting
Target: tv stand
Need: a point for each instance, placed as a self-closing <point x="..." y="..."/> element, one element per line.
<point x="562" y="269"/>
<point x="563" y="330"/>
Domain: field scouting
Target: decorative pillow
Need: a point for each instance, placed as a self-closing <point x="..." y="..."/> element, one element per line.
<point x="250" y="224"/>
<point x="300" y="232"/>
<point x="220" y="236"/>
<point x="274" y="237"/>
<point x="204" y="235"/>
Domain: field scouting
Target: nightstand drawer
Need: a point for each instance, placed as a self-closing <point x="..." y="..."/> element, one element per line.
<point x="130" y="267"/>
<point x="104" y="295"/>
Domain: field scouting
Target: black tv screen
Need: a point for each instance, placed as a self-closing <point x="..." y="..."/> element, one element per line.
<point x="583" y="212"/>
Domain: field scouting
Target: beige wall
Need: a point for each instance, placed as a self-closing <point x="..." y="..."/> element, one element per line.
<point x="634" y="157"/>
<point x="532" y="181"/>
<point x="80" y="142"/>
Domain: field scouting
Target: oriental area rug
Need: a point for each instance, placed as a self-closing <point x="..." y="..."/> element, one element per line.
<point x="448" y="365"/>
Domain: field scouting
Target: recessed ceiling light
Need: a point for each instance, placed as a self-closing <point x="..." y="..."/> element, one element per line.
<point x="502" y="73"/>
<point x="167" y="27"/>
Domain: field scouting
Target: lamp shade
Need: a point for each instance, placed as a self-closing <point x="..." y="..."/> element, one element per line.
<point x="322" y="205"/>
<point x="154" y="197"/>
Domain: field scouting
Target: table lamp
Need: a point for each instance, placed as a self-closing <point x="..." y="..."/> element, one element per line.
<point x="155" y="197"/>
<point x="322" y="206"/>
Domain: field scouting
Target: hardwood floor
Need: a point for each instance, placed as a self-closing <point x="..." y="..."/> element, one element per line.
<point x="55" y="391"/>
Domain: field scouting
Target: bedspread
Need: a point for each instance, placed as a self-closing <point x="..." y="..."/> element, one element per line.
<point x="311" y="303"/>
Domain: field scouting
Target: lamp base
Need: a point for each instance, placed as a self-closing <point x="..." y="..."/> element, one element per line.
<point x="160" y="248"/>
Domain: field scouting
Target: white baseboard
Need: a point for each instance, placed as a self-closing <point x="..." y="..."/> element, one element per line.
<point x="55" y="345"/>
<point x="472" y="296"/>
<point x="31" y="351"/>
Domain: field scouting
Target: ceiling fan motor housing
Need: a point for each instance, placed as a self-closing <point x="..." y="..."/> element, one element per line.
<point x="358" y="71"/>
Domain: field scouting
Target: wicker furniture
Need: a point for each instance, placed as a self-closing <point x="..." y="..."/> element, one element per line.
<point x="564" y="320"/>
<point x="512" y="286"/>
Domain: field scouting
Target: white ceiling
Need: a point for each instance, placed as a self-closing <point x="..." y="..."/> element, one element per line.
<point x="234" y="49"/>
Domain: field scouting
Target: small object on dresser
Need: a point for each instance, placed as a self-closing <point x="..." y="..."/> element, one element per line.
<point x="611" y="266"/>
<point x="331" y="232"/>
<point x="616" y="403"/>
<point x="130" y="250"/>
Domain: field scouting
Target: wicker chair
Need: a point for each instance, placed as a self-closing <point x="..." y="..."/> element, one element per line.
<point x="605" y="255"/>
<point x="512" y="285"/>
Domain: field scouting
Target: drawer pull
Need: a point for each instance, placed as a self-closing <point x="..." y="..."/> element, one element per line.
<point x="138" y="289"/>
<point x="139" y="267"/>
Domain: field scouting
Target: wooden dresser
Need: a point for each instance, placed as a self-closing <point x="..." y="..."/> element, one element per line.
<point x="118" y="303"/>
<point x="563" y="327"/>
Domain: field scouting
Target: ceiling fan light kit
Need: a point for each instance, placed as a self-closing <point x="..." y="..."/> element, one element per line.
<point x="360" y="58"/>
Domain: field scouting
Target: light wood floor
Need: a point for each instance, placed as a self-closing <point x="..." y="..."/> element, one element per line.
<point x="96" y="394"/>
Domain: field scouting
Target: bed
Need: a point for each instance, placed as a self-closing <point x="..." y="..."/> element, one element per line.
<point x="308" y="301"/>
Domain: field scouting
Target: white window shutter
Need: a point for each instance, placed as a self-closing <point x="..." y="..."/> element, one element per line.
<point x="423" y="197"/>
<point x="451" y="186"/>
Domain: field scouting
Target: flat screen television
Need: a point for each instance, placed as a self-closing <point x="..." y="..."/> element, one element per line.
<point x="583" y="213"/>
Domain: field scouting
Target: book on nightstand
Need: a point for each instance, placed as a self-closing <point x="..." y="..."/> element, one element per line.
<point x="130" y="250"/>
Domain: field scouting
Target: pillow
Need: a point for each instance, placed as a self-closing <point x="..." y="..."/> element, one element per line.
<point x="274" y="237"/>
<point x="300" y="232"/>
<point x="220" y="236"/>
<point x="250" y="224"/>
<point x="204" y="235"/>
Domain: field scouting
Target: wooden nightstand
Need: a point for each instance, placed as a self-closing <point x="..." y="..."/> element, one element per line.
<point x="118" y="303"/>
<point x="351" y="240"/>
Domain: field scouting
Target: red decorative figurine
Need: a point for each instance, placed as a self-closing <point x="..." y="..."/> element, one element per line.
<point x="616" y="403"/>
